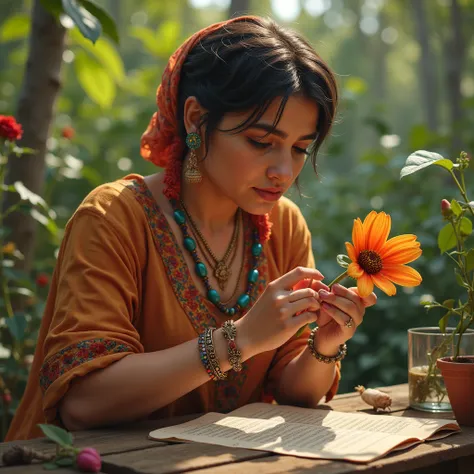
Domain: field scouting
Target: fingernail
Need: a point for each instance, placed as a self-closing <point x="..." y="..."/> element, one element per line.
<point x="323" y="293"/>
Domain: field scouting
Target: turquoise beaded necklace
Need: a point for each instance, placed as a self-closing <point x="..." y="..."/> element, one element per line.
<point x="201" y="270"/>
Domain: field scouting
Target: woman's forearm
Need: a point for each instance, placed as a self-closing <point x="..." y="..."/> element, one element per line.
<point x="139" y="384"/>
<point x="305" y="380"/>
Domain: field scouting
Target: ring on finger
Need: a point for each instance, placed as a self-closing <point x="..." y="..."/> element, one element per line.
<point x="349" y="323"/>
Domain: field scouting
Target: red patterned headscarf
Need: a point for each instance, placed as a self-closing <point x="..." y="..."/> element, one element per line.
<point x="161" y="143"/>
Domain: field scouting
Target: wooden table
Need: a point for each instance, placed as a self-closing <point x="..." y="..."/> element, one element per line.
<point x="126" y="450"/>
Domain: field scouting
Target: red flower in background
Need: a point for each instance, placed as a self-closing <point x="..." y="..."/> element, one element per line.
<point x="42" y="280"/>
<point x="68" y="132"/>
<point x="10" y="129"/>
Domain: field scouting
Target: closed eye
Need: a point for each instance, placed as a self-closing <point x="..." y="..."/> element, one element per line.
<point x="301" y="150"/>
<point x="257" y="144"/>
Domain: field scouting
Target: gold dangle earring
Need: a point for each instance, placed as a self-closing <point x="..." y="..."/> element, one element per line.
<point x="191" y="170"/>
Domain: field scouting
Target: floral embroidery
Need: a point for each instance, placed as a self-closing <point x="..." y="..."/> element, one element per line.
<point x="199" y="310"/>
<point x="75" y="355"/>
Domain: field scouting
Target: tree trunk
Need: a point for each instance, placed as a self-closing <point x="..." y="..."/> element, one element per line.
<point x="427" y="71"/>
<point x="454" y="57"/>
<point x="238" y="7"/>
<point x="40" y="88"/>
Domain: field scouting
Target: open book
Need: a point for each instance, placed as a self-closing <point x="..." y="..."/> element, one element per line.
<point x="307" y="432"/>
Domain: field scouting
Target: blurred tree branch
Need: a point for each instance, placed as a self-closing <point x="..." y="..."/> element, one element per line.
<point x="455" y="50"/>
<point x="427" y="71"/>
<point x="238" y="7"/>
<point x="40" y="88"/>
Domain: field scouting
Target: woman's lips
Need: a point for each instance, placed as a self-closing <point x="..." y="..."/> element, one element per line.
<point x="268" y="195"/>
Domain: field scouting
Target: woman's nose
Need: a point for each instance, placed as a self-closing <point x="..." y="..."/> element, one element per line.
<point x="282" y="169"/>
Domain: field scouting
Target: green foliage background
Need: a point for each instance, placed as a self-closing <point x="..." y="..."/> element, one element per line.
<point x="108" y="98"/>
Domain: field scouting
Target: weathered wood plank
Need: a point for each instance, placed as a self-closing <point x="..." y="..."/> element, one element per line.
<point x="178" y="458"/>
<point x="37" y="468"/>
<point x="107" y="441"/>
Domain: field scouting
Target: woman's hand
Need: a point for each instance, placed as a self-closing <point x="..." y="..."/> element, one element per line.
<point x="342" y="311"/>
<point x="280" y="311"/>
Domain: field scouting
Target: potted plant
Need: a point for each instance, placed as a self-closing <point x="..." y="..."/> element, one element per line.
<point x="454" y="240"/>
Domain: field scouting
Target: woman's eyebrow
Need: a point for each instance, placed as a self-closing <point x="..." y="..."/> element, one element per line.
<point x="280" y="133"/>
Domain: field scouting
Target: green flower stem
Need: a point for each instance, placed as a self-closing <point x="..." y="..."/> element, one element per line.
<point x="338" y="279"/>
<point x="461" y="189"/>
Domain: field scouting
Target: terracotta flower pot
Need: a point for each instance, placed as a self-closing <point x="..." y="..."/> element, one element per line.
<point x="459" y="380"/>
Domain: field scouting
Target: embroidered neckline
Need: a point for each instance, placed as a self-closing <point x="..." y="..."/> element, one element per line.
<point x="199" y="310"/>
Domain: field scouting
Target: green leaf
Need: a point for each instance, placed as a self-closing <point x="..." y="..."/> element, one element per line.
<point x="21" y="291"/>
<point x="65" y="462"/>
<point x="95" y="80"/>
<point x="446" y="238"/>
<point x="23" y="151"/>
<point x="449" y="303"/>
<point x="456" y="208"/>
<point x="343" y="260"/>
<point x="460" y="281"/>
<point x="470" y="260"/>
<point x="107" y="22"/>
<point x="17" y="325"/>
<point x="443" y="322"/>
<point x="50" y="466"/>
<point x="27" y="195"/>
<point x="87" y="23"/>
<point x="419" y="160"/>
<point x="57" y="435"/>
<point x="444" y="163"/>
<point x="356" y="85"/>
<point x="465" y="227"/>
<point x="167" y="37"/>
<point x="15" y="28"/>
<point x="104" y="52"/>
<point x="147" y="37"/>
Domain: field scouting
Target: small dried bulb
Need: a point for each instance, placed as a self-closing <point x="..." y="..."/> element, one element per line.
<point x="374" y="398"/>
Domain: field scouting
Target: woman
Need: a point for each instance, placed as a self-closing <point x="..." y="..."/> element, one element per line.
<point x="184" y="291"/>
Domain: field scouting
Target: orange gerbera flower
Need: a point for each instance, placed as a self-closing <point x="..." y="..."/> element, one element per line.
<point x="378" y="261"/>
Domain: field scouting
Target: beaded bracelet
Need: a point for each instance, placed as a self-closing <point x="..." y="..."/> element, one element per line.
<point x="235" y="356"/>
<point x="212" y="356"/>
<point x="203" y="355"/>
<point x="322" y="358"/>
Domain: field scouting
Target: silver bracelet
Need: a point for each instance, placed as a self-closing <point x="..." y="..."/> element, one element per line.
<point x="322" y="358"/>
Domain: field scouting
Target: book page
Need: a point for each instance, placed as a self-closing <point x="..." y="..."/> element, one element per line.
<point x="284" y="430"/>
<point x="421" y="428"/>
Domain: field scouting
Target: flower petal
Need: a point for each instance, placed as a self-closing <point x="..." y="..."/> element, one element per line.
<point x="384" y="284"/>
<point x="398" y="243"/>
<point x="351" y="252"/>
<point x="365" y="285"/>
<point x="354" y="270"/>
<point x="402" y="275"/>
<point x="369" y="220"/>
<point x="378" y="232"/>
<point x="358" y="237"/>
<point x="402" y="256"/>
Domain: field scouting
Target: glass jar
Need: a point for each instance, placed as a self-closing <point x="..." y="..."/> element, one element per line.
<point x="427" y="391"/>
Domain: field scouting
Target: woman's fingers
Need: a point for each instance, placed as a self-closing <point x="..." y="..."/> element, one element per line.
<point x="342" y="308"/>
<point x="290" y="279"/>
<point x="340" y="317"/>
<point x="303" y="293"/>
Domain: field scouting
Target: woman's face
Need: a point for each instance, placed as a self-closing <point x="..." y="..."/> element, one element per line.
<point x="254" y="168"/>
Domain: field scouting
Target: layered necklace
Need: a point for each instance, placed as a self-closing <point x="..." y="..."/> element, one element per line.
<point x="221" y="268"/>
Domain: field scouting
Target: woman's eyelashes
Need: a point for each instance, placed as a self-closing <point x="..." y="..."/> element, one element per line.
<point x="264" y="146"/>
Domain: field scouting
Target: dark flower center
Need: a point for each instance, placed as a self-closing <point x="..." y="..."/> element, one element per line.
<point x="370" y="261"/>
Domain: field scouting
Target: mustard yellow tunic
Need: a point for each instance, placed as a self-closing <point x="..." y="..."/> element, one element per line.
<point x="121" y="286"/>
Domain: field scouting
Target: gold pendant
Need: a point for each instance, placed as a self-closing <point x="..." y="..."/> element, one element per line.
<point x="222" y="273"/>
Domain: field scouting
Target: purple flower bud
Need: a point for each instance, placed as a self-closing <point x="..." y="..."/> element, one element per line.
<point x="88" y="460"/>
